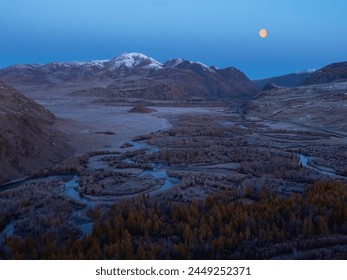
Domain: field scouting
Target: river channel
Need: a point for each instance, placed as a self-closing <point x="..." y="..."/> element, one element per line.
<point x="72" y="186"/>
<point x="306" y="161"/>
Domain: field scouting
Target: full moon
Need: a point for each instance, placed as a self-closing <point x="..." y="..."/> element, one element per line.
<point x="263" y="33"/>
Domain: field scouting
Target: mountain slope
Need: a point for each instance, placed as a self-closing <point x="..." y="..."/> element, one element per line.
<point x="336" y="72"/>
<point x="321" y="107"/>
<point x="28" y="140"/>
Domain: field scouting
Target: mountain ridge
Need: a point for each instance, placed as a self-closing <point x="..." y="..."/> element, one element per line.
<point x="180" y="78"/>
<point x="286" y="80"/>
<point x="334" y="72"/>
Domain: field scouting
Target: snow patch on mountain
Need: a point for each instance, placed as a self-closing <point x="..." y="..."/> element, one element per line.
<point x="177" y="61"/>
<point x="25" y="66"/>
<point x="94" y="63"/>
<point x="131" y="60"/>
<point x="307" y="71"/>
<point x="125" y="61"/>
<point x="205" y="67"/>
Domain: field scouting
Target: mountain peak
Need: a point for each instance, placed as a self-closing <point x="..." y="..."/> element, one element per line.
<point x="172" y="63"/>
<point x="132" y="60"/>
<point x="133" y="55"/>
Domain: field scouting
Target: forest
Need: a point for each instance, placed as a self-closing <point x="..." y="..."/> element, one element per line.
<point x="260" y="224"/>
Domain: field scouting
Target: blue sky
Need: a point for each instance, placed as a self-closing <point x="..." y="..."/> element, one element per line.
<point x="302" y="34"/>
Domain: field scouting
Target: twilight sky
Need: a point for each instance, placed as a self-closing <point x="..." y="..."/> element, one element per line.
<point x="302" y="34"/>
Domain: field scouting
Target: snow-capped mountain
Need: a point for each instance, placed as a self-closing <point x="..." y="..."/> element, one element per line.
<point x="179" y="78"/>
<point x="55" y="72"/>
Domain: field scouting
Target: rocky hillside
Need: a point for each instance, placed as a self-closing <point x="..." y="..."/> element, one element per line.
<point x="28" y="140"/>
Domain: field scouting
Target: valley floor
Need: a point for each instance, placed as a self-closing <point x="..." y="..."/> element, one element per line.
<point x="190" y="180"/>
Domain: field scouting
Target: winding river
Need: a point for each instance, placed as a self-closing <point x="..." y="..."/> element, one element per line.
<point x="72" y="186"/>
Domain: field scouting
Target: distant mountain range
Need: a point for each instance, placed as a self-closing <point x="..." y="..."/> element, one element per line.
<point x="28" y="139"/>
<point x="137" y="75"/>
<point x="335" y="72"/>
<point x="288" y="80"/>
